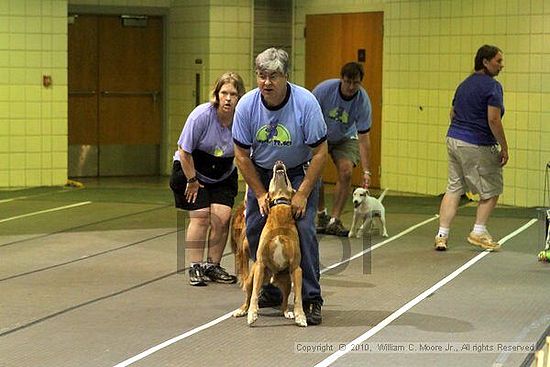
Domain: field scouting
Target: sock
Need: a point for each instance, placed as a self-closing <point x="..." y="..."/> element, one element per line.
<point x="443" y="232"/>
<point x="208" y="264"/>
<point x="332" y="221"/>
<point x="324" y="211"/>
<point x="479" y="228"/>
<point x="195" y="263"/>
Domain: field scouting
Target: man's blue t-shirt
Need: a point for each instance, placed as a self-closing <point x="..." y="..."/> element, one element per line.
<point x="284" y="133"/>
<point x="344" y="118"/>
<point x="472" y="97"/>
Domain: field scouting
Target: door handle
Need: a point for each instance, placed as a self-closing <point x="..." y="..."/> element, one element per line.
<point x="153" y="93"/>
<point x="82" y="92"/>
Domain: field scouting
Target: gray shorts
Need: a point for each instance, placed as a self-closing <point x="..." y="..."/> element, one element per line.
<point x="474" y="168"/>
<point x="346" y="149"/>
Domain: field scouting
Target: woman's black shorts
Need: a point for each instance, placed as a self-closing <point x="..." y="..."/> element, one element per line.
<point x="223" y="192"/>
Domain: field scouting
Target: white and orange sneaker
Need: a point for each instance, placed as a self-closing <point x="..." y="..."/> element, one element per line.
<point x="441" y="243"/>
<point x="483" y="240"/>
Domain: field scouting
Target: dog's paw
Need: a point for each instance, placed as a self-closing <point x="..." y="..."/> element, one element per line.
<point x="288" y="314"/>
<point x="240" y="312"/>
<point x="301" y="320"/>
<point x="252" y="317"/>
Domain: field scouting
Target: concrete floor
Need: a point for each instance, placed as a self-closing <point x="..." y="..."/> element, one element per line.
<point x="88" y="277"/>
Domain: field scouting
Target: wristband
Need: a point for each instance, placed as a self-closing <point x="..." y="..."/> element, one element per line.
<point x="192" y="179"/>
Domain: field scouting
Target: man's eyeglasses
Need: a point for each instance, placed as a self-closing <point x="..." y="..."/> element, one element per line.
<point x="274" y="76"/>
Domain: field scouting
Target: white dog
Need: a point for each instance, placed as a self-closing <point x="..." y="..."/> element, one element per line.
<point x="365" y="208"/>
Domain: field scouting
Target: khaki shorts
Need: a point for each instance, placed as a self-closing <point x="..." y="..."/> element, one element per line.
<point x="346" y="149"/>
<point x="474" y="168"/>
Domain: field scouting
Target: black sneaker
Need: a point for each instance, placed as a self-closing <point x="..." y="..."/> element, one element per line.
<point x="196" y="276"/>
<point x="270" y="297"/>
<point x="218" y="274"/>
<point x="322" y="221"/>
<point x="313" y="312"/>
<point x="336" y="228"/>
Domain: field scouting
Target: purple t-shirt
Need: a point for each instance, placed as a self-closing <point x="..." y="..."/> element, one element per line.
<point x="204" y="136"/>
<point x="472" y="97"/>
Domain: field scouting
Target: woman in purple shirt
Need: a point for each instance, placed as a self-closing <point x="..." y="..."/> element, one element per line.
<point x="204" y="179"/>
<point x="477" y="148"/>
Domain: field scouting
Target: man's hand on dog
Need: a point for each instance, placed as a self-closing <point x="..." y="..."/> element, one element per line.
<point x="263" y="203"/>
<point x="299" y="202"/>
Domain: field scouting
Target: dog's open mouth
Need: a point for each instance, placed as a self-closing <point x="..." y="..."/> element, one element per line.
<point x="280" y="184"/>
<point x="279" y="170"/>
<point x="279" y="166"/>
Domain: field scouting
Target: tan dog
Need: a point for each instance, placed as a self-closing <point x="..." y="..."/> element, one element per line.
<point x="239" y="244"/>
<point x="278" y="253"/>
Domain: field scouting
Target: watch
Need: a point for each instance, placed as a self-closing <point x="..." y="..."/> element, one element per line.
<point x="192" y="179"/>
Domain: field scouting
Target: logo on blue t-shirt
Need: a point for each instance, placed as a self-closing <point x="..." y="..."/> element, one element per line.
<point x="274" y="134"/>
<point x="339" y="114"/>
<point x="218" y="151"/>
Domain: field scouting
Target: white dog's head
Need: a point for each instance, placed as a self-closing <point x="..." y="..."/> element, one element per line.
<point x="360" y="196"/>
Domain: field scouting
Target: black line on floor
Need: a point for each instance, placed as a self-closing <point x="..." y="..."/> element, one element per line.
<point x="72" y="308"/>
<point x="86" y="257"/>
<point x="83" y="226"/>
<point x="117" y="293"/>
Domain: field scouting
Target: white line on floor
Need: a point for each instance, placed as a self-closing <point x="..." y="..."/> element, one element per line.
<point x="173" y="340"/>
<point x="31" y="196"/>
<point x="380" y="244"/>
<point x="12" y="199"/>
<point x="228" y="315"/>
<point x="45" y="211"/>
<point x="333" y="357"/>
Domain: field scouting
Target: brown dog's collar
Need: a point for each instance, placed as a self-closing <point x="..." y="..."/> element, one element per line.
<point x="279" y="201"/>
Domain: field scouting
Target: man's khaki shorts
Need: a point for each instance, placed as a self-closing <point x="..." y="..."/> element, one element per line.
<point x="474" y="168"/>
<point x="346" y="149"/>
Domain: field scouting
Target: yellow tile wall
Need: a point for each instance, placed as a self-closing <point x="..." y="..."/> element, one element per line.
<point x="429" y="48"/>
<point x="219" y="35"/>
<point x="33" y="119"/>
<point x="120" y="3"/>
<point x="188" y="38"/>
